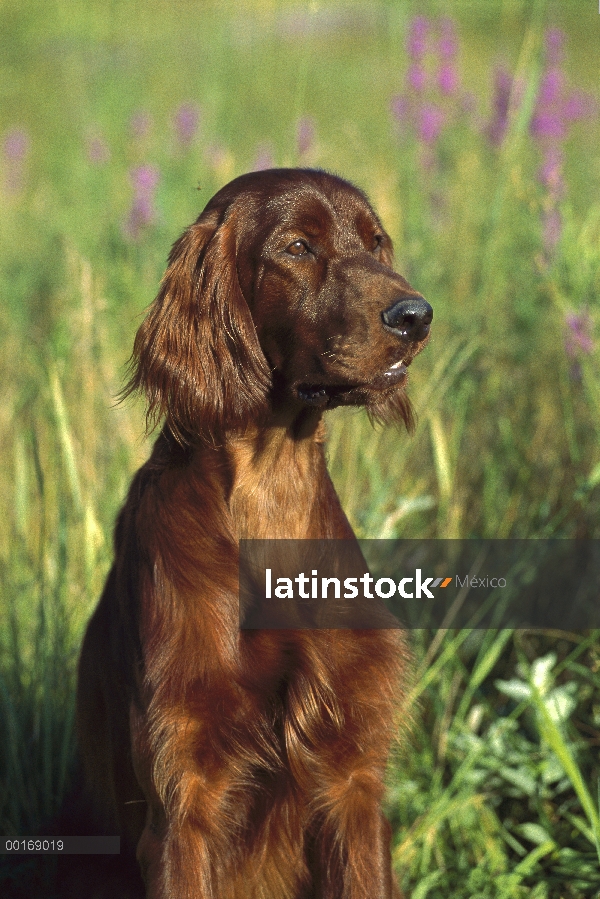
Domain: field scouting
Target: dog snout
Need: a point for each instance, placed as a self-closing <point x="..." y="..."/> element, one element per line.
<point x="409" y="318"/>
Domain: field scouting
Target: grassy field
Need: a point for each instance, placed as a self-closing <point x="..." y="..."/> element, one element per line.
<point x="477" y="139"/>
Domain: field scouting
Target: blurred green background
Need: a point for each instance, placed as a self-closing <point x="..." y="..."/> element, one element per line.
<point x="474" y="128"/>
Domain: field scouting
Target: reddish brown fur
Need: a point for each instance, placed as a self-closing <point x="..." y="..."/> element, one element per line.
<point x="247" y="765"/>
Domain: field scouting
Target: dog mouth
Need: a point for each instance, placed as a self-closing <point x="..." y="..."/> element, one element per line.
<point x="323" y="395"/>
<point x="396" y="374"/>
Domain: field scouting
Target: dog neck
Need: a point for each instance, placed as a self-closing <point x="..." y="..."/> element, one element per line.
<point x="271" y="481"/>
<point x="278" y="472"/>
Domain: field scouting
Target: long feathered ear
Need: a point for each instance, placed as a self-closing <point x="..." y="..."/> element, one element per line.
<point x="196" y="355"/>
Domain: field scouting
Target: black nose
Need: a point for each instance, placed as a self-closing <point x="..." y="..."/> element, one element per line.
<point x="410" y="318"/>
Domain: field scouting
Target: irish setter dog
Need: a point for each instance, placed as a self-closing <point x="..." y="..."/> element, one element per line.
<point x="249" y="764"/>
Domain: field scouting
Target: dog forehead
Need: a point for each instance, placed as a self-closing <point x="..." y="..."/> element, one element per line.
<point x="306" y="199"/>
<point x="318" y="213"/>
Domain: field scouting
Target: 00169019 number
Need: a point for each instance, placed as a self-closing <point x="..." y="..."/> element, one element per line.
<point x="33" y="844"/>
<point x="74" y="845"/>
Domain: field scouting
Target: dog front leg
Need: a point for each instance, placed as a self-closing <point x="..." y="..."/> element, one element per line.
<point x="350" y="855"/>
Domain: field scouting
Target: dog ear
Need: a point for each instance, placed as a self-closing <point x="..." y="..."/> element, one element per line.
<point x="196" y="355"/>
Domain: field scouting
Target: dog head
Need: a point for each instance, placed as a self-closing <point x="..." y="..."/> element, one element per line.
<point x="280" y="296"/>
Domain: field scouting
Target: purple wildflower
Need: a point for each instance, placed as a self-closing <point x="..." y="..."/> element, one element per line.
<point x="555" y="39"/>
<point x="401" y="109"/>
<point x="98" y="152"/>
<point x="448" y="78"/>
<point x="416" y="43"/>
<point x="431" y="122"/>
<point x="548" y="120"/>
<point x="144" y="180"/>
<point x="186" y="121"/>
<point x="264" y="158"/>
<point x="555" y="108"/>
<point x="551" y="229"/>
<point x="432" y="98"/>
<point x="578" y="336"/>
<point x="579" y="105"/>
<point x="16" y="145"/>
<point x="140" y="124"/>
<point x="551" y="178"/>
<point x="548" y="124"/>
<point x="141" y="214"/>
<point x="416" y="77"/>
<point x="305" y="134"/>
<point x="503" y="88"/>
<point x="448" y="43"/>
<point x="550" y="174"/>
<point x="551" y="86"/>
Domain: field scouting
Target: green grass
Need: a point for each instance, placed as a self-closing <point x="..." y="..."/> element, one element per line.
<point x="496" y="794"/>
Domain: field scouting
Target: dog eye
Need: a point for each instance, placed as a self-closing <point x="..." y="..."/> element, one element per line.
<point x="377" y="241"/>
<point x="298" y="248"/>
